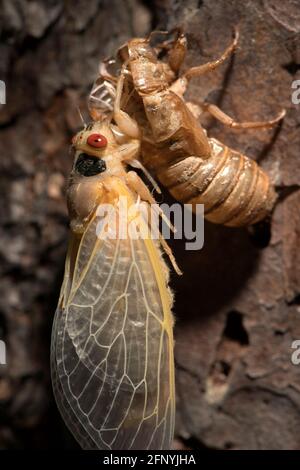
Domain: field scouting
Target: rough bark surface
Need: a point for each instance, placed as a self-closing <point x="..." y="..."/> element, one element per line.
<point x="237" y="306"/>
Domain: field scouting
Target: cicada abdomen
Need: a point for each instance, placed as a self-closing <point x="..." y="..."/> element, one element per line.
<point x="196" y="169"/>
<point x="235" y="190"/>
<point x="112" y="360"/>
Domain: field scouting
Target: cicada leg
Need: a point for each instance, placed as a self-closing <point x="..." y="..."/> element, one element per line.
<point x="126" y="124"/>
<point x="209" y="66"/>
<point x="177" y="53"/>
<point x="175" y="47"/>
<point x="139" y="187"/>
<point x="218" y="114"/>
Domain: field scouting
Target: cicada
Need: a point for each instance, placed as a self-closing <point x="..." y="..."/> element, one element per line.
<point x="112" y="360"/>
<point x="195" y="168"/>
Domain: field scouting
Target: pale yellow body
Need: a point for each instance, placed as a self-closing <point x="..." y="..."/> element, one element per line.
<point x="112" y="344"/>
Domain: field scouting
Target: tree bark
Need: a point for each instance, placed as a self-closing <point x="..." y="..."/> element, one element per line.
<point x="237" y="305"/>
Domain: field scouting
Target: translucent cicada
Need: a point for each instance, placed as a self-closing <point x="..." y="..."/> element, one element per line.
<point x="112" y="343"/>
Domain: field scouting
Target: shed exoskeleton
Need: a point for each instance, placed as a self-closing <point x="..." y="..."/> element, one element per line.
<point x="195" y="168"/>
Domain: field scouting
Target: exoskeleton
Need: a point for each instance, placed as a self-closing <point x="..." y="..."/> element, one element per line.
<point x="195" y="168"/>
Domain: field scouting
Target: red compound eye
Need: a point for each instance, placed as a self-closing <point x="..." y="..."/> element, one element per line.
<point x="97" y="140"/>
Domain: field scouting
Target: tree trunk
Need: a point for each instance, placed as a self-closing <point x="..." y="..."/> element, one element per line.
<point x="237" y="304"/>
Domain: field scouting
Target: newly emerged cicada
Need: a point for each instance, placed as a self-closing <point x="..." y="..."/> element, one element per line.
<point x="112" y="344"/>
<point x="195" y="168"/>
<point x="112" y="360"/>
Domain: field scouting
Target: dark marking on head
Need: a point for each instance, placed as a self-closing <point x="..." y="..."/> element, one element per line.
<point x="87" y="165"/>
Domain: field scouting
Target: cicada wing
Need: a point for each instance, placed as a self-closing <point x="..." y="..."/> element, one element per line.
<point x="112" y="347"/>
<point x="62" y="403"/>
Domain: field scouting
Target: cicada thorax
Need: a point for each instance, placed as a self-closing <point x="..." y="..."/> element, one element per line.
<point x="149" y="75"/>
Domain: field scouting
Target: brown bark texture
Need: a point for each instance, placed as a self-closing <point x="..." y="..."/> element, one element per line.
<point x="237" y="306"/>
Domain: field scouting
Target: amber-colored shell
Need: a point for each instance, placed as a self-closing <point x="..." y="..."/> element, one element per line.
<point x="235" y="191"/>
<point x="196" y="169"/>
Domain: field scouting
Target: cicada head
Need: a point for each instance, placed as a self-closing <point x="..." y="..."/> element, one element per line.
<point x="96" y="159"/>
<point x="95" y="139"/>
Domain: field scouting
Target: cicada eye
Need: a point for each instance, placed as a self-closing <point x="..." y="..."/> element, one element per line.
<point x="86" y="165"/>
<point x="97" y="140"/>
